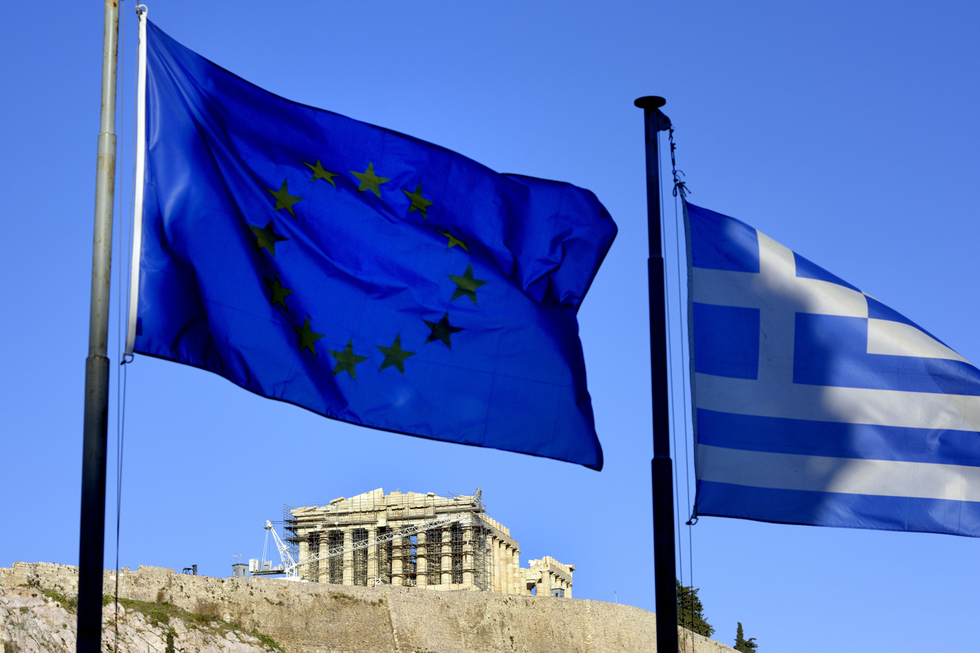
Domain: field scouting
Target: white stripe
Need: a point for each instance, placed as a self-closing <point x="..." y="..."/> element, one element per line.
<point x="137" y="233"/>
<point x="776" y="287"/>
<point x="921" y="410"/>
<point x="898" y="339"/>
<point x="887" y="478"/>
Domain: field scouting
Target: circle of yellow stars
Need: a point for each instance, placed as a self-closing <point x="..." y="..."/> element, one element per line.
<point x="346" y="359"/>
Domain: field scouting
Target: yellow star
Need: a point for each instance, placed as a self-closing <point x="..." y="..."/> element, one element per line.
<point x="320" y="173"/>
<point x="466" y="285"/>
<point x="453" y="241"/>
<point x="418" y="202"/>
<point x="395" y="355"/>
<point x="266" y="238"/>
<point x="283" y="199"/>
<point x="278" y="293"/>
<point x="369" y="180"/>
<point x="346" y="360"/>
<point x="307" y="336"/>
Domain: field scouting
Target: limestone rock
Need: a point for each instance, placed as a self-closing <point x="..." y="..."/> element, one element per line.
<point x="32" y="621"/>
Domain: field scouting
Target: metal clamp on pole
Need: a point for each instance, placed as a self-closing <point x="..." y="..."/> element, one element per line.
<point x="665" y="577"/>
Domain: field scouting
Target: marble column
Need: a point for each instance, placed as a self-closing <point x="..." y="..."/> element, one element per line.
<point x="321" y="564"/>
<point x="544" y="585"/>
<point x="422" y="568"/>
<point x="397" y="574"/>
<point x="513" y="566"/>
<point x="372" y="557"/>
<point x="348" y="557"/>
<point x="468" y="558"/>
<point x="304" y="553"/>
<point x="500" y="568"/>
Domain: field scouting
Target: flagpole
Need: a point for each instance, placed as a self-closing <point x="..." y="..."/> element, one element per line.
<point x="91" y="549"/>
<point x="665" y="577"/>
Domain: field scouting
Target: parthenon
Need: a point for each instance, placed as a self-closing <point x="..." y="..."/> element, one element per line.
<point x="423" y="540"/>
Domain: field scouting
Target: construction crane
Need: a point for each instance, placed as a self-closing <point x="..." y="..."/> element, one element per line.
<point x="290" y="568"/>
<point x="263" y="567"/>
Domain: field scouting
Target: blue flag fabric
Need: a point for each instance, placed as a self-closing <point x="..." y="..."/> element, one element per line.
<point x="360" y="273"/>
<point x="814" y="403"/>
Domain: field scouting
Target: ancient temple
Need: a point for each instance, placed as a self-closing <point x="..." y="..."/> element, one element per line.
<point x="421" y="540"/>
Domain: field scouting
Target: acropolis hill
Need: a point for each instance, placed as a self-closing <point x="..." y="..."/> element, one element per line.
<point x="325" y="618"/>
<point x="372" y="573"/>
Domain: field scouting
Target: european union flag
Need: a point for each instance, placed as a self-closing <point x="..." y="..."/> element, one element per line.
<point x="815" y="403"/>
<point x="360" y="273"/>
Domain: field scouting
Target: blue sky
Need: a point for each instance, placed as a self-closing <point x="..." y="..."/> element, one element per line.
<point x="846" y="131"/>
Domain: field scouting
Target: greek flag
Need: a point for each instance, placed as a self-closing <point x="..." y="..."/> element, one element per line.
<point x="814" y="403"/>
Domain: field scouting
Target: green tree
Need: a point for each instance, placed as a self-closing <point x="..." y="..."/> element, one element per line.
<point x="690" y="612"/>
<point x="743" y="645"/>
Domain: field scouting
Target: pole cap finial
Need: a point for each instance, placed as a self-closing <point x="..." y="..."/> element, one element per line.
<point x="650" y="102"/>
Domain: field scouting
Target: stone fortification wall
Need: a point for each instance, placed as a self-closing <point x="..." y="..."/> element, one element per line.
<point x="320" y="618"/>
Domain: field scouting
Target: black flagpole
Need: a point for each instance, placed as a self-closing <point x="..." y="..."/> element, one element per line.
<point x="91" y="548"/>
<point x="665" y="577"/>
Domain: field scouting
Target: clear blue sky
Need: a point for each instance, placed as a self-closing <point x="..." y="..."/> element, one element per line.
<point x="847" y="131"/>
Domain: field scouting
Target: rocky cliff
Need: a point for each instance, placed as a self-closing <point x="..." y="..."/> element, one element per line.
<point x="241" y="615"/>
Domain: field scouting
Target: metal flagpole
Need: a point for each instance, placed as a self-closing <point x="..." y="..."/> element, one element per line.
<point x="665" y="577"/>
<point x="91" y="549"/>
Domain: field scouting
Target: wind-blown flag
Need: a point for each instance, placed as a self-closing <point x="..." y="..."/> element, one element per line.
<point x="814" y="403"/>
<point x="360" y="273"/>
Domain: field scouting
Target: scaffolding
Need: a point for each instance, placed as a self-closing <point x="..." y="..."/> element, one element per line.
<point x="289" y="530"/>
<point x="419" y="540"/>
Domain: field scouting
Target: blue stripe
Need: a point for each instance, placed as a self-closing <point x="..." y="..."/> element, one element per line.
<point x="832" y="350"/>
<point x="839" y="510"/>
<point x="807" y="269"/>
<point x="722" y="243"/>
<point x="878" y="311"/>
<point x="726" y="341"/>
<point x="837" y="440"/>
